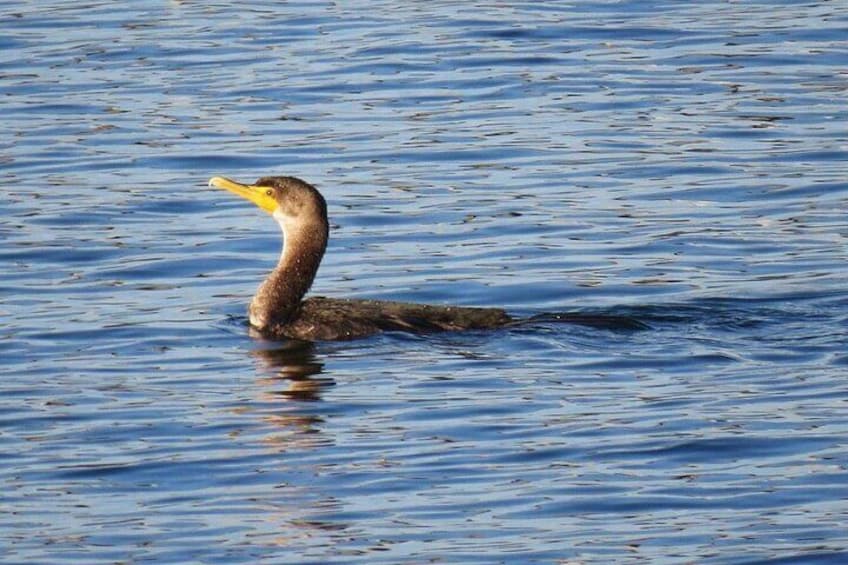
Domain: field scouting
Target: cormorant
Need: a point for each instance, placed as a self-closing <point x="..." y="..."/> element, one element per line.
<point x="278" y="309"/>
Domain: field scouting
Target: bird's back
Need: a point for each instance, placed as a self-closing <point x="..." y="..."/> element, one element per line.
<point x="321" y="318"/>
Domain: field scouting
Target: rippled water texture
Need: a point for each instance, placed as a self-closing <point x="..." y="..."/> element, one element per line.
<point x="680" y="163"/>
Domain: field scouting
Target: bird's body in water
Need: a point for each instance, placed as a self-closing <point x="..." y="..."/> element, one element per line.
<point x="278" y="310"/>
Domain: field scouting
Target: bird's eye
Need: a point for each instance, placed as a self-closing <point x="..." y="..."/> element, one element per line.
<point x="269" y="192"/>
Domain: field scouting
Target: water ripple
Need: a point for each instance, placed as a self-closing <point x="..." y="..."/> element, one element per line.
<point x="679" y="168"/>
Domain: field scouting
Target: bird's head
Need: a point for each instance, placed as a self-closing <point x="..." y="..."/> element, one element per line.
<point x="288" y="199"/>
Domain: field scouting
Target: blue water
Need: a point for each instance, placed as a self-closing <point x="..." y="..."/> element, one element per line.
<point x="680" y="163"/>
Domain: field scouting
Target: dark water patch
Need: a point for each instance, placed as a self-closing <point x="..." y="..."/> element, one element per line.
<point x="815" y="556"/>
<point x="721" y="450"/>
<point x="581" y="32"/>
<point x="817" y="190"/>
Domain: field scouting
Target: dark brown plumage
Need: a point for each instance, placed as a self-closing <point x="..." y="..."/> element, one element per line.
<point x="278" y="309"/>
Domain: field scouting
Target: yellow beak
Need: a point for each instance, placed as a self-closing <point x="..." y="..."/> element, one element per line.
<point x="259" y="195"/>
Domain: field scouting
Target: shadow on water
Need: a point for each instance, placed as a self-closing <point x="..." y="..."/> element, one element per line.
<point x="599" y="320"/>
<point x="716" y="313"/>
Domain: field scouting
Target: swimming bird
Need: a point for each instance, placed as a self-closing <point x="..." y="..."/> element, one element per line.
<point x="278" y="309"/>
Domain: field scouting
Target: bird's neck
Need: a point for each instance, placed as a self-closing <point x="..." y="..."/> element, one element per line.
<point x="277" y="300"/>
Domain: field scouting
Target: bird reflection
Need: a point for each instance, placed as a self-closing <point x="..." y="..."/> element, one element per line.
<point x="289" y="395"/>
<point x="296" y="370"/>
<point x="293" y="380"/>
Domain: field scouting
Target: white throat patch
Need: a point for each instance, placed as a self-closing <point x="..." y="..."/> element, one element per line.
<point x="293" y="228"/>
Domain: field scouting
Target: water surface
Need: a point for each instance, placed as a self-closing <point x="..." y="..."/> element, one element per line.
<point x="683" y="164"/>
